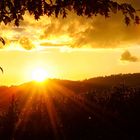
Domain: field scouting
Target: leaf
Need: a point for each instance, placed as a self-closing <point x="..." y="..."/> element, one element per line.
<point x="2" y="40"/>
<point x="137" y="20"/>
<point x="1" y="70"/>
<point x="127" y="20"/>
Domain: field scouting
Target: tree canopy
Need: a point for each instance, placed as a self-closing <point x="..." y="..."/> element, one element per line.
<point x="13" y="10"/>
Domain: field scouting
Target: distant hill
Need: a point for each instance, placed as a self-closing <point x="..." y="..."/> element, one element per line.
<point x="132" y="80"/>
<point x="99" y="83"/>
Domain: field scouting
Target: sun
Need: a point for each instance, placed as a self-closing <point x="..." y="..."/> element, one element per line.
<point x="39" y="74"/>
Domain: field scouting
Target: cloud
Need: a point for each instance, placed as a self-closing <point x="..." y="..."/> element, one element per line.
<point x="48" y="44"/>
<point x="74" y="31"/>
<point x="126" y="56"/>
<point x="18" y="29"/>
<point x="26" y="43"/>
<point x="96" y="32"/>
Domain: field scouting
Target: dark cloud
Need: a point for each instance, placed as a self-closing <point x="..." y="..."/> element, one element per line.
<point x="126" y="56"/>
<point x="26" y="43"/>
<point x="96" y="32"/>
<point x="57" y="27"/>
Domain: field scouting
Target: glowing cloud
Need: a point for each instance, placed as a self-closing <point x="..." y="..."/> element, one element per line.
<point x="126" y="56"/>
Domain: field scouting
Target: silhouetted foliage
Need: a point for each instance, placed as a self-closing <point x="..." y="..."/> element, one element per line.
<point x="1" y="69"/>
<point x="2" y="40"/>
<point x="13" y="10"/>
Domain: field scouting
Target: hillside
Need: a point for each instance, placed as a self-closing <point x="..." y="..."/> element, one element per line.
<point x="100" y="84"/>
<point x="131" y="80"/>
<point x="97" y="108"/>
<point x="113" y="80"/>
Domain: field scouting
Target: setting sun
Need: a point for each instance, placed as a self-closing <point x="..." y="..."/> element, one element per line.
<point x="39" y="74"/>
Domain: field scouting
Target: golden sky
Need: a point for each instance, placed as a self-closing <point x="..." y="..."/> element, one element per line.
<point x="74" y="48"/>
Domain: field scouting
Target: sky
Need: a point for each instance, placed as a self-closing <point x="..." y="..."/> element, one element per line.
<point x="74" y="48"/>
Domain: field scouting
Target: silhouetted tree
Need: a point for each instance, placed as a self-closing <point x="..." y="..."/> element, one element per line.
<point x="13" y="10"/>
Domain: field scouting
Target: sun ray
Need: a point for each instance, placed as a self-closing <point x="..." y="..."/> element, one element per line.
<point x="42" y="100"/>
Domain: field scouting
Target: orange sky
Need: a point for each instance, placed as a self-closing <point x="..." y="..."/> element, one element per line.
<point x="73" y="48"/>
